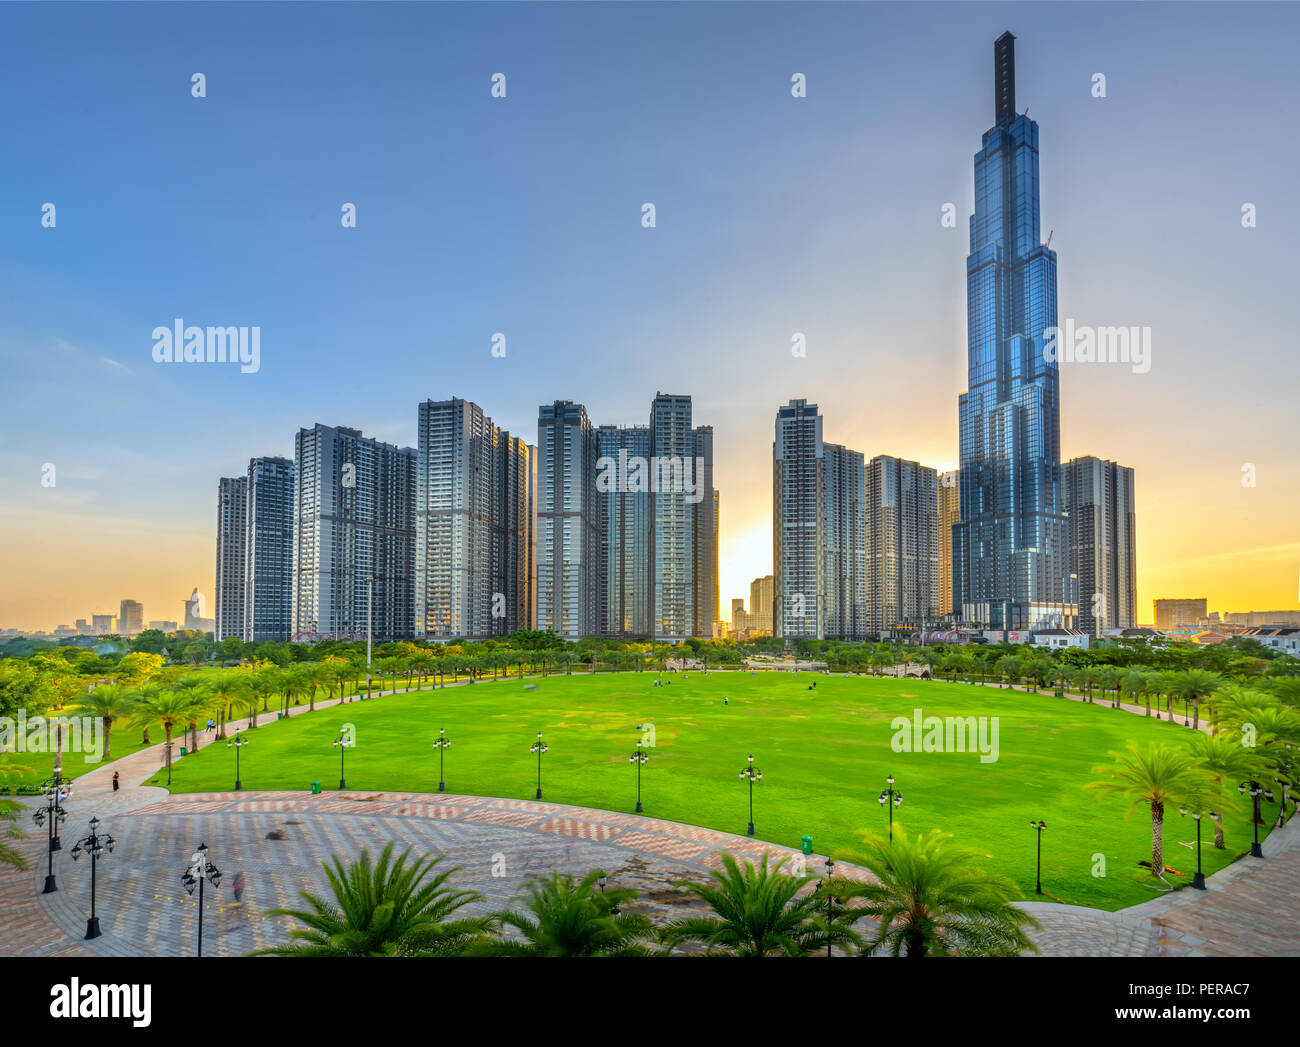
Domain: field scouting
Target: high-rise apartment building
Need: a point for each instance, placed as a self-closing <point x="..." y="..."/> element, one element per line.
<point x="798" y="521"/>
<point x="1176" y="613"/>
<point x="569" y="522"/>
<point x="672" y="518"/>
<point x="704" y="574"/>
<point x="761" y="595"/>
<point x="353" y="535"/>
<point x="844" y="548"/>
<point x="268" y="551"/>
<point x="131" y="619"/>
<point x="1098" y="498"/>
<point x="475" y="519"/>
<point x="101" y="624"/>
<point x="624" y="582"/>
<point x="1011" y="549"/>
<point x="949" y="514"/>
<point x="232" y="564"/>
<point x="902" y="529"/>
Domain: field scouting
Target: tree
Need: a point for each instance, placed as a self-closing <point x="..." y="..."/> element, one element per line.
<point x="760" y="912"/>
<point x="1223" y="759"/>
<point x="931" y="898"/>
<point x="1156" y="776"/>
<point x="9" y="813"/>
<point x="1196" y="685"/>
<point x="109" y="702"/>
<point x="564" y="918"/>
<point x="167" y="708"/>
<point x="383" y="909"/>
<point x="1133" y="684"/>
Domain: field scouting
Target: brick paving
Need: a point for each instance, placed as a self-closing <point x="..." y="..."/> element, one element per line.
<point x="279" y="840"/>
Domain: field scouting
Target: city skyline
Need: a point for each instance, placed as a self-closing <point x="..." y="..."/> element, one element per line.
<point x="1192" y="435"/>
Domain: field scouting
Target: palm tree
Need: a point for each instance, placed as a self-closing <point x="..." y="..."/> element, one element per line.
<point x="226" y="688"/>
<point x="1195" y="685"/>
<point x="384" y="909"/>
<point x="931" y="898"/>
<point x="563" y="918"/>
<point x="760" y="912"/>
<point x="1223" y="759"/>
<point x="9" y="812"/>
<point x="1157" y="775"/>
<point x="1108" y="680"/>
<point x="1132" y="684"/>
<point x="168" y="708"/>
<point x="109" y="701"/>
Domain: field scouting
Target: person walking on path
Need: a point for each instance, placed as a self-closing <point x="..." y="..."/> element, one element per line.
<point x="117" y="781"/>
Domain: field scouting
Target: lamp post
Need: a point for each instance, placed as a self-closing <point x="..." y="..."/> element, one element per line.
<point x="754" y="775"/>
<point x="94" y="844"/>
<point x="830" y="901"/>
<point x="1039" y="826"/>
<point x="200" y="869"/>
<point x="891" y="798"/>
<point x="441" y="745"/>
<point x="613" y="909"/>
<point x="640" y="758"/>
<point x="342" y="743"/>
<point x="1256" y="791"/>
<point x="53" y="810"/>
<point x="54" y="788"/>
<point x="1198" y="881"/>
<point x="237" y="743"/>
<point x="539" y="747"/>
<point x="1281" y="811"/>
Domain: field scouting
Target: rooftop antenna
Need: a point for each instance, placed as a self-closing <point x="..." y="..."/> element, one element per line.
<point x="1049" y="238"/>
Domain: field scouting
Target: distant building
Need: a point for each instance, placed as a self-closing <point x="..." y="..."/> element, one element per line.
<point x="624" y="582"/>
<point x="1252" y="619"/>
<point x="131" y="619"/>
<point x="902" y="528"/>
<point x="1061" y="639"/>
<point x="268" y="551"/>
<point x="84" y="627"/>
<point x="1285" y="639"/>
<point x="949" y="514"/>
<point x="569" y="522"/>
<point x="193" y="618"/>
<point x="1172" y="614"/>
<point x="101" y="624"/>
<point x="1098" y="498"/>
<point x="164" y="627"/>
<point x="798" y="523"/>
<point x="844" y="544"/>
<point x="761" y="594"/>
<point x="232" y="543"/>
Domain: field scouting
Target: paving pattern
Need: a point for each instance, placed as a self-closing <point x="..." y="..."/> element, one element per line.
<point x="280" y="839"/>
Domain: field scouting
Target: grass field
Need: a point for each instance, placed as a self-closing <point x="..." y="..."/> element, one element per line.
<point x="824" y="754"/>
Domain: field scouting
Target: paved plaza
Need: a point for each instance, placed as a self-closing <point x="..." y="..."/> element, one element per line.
<point x="279" y="840"/>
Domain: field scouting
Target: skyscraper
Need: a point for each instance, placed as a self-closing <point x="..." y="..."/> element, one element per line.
<point x="625" y="533"/>
<point x="704" y="574"/>
<point x="761" y="593"/>
<point x="268" y="551"/>
<point x="131" y="620"/>
<point x="902" y="543"/>
<point x="1011" y="548"/>
<point x="798" y="521"/>
<point x="354" y="520"/>
<point x="232" y="543"/>
<point x="1173" y="613"/>
<point x="673" y="518"/>
<point x="949" y="514"/>
<point x="569" y="511"/>
<point x="843" y="549"/>
<point x="1098" y="498"/>
<point x="475" y="518"/>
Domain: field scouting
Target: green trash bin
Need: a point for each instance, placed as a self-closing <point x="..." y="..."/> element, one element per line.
<point x="807" y="845"/>
<point x="315" y="788"/>
<point x="183" y="750"/>
<point x="279" y="716"/>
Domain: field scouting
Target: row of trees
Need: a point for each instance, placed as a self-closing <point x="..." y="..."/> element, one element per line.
<point x="928" y="897"/>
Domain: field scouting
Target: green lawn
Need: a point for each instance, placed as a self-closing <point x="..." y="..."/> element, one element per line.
<point x="824" y="755"/>
<point x="19" y="769"/>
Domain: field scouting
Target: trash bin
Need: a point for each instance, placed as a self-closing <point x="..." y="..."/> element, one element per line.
<point x="807" y="845"/>
<point x="279" y="716"/>
<point x="183" y="750"/>
<point x="315" y="788"/>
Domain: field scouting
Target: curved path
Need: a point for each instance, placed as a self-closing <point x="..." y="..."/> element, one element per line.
<point x="279" y="839"/>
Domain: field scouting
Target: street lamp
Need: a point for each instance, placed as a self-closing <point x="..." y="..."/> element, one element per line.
<point x="200" y="869"/>
<point x="1198" y="881"/>
<point x="1256" y="791"/>
<point x="342" y="743"/>
<point x="53" y="809"/>
<point x="441" y="745"/>
<point x="830" y="901"/>
<point x="94" y="844"/>
<point x="640" y="758"/>
<point x="754" y="775"/>
<point x="613" y="909"/>
<point x="1281" y="811"/>
<point x="1039" y="826"/>
<point x="539" y="747"/>
<point x="891" y="798"/>
<point x="54" y="787"/>
<point x="237" y="743"/>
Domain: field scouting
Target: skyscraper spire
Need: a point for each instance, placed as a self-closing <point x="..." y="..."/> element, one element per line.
<point x="1004" y="76"/>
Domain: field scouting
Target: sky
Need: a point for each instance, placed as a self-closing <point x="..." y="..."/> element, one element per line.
<point x="522" y="215"/>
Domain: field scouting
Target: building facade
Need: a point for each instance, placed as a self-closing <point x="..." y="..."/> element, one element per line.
<point x="268" y="551"/>
<point x="1098" y="498"/>
<point x="1011" y="549"/>
<point x="902" y="537"/>
<point x="844" y="547"/>
<point x="1178" y="613"/>
<point x="949" y="515"/>
<point x="131" y="618"/>
<point x="232" y="566"/>
<point x="624" y="583"/>
<point x="353" y="536"/>
<point x="476" y="570"/>
<point x="798" y="521"/>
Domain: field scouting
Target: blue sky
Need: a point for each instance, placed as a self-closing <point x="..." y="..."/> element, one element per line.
<point x="477" y="215"/>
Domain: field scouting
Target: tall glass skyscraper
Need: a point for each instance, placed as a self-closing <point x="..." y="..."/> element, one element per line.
<point x="1010" y="550"/>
